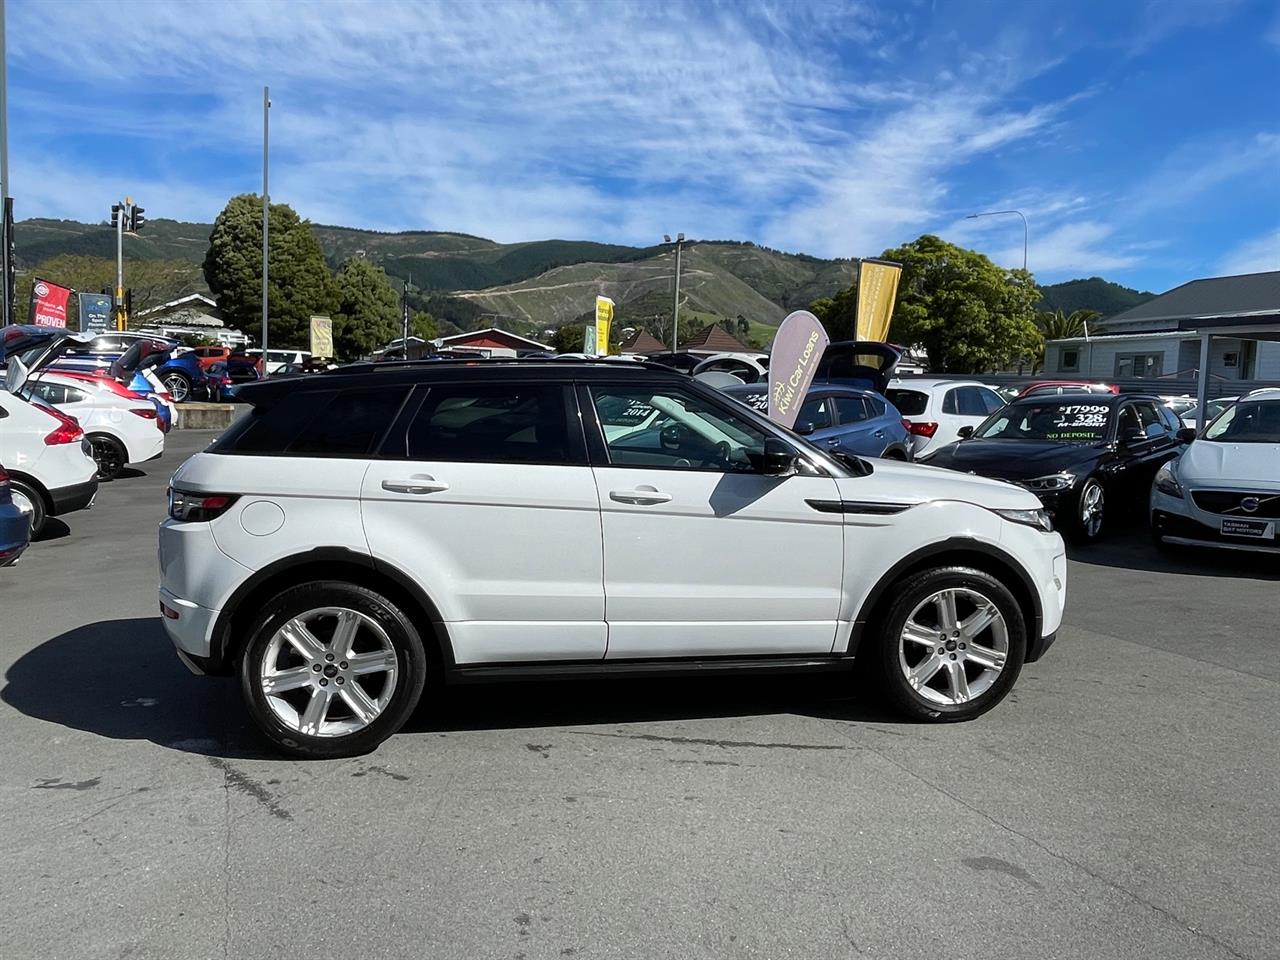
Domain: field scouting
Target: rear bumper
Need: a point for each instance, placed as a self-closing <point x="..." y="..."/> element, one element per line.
<point x="77" y="496"/>
<point x="189" y="626"/>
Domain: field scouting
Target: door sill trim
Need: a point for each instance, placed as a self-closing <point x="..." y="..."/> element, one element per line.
<point x="665" y="666"/>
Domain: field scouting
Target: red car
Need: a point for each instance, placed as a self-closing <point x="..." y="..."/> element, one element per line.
<point x="208" y="356"/>
<point x="1065" y="386"/>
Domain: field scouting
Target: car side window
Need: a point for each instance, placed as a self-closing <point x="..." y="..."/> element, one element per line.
<point x="1128" y="422"/>
<point x="492" y="423"/>
<point x="1152" y="425"/>
<point x="990" y="400"/>
<point x="678" y="431"/>
<point x="951" y="402"/>
<point x="970" y="402"/>
<point x="53" y="393"/>
<point x="852" y="409"/>
<point x="816" y="411"/>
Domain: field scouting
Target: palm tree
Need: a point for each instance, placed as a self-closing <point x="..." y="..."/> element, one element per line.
<point x="1059" y="326"/>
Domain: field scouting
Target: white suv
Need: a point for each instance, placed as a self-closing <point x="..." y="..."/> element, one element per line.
<point x="361" y="531"/>
<point x="935" y="410"/>
<point x="49" y="461"/>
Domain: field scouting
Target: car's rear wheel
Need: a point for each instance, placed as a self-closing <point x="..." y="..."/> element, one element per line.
<point x="30" y="503"/>
<point x="1091" y="511"/>
<point x="178" y="385"/>
<point x="951" y="644"/>
<point x="331" y="669"/>
<point x="110" y="455"/>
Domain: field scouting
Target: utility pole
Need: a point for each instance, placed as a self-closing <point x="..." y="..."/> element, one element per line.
<point x="266" y="210"/>
<point x="404" y="317"/>
<point x="126" y="217"/>
<point x="6" y="194"/>
<point x="675" y="298"/>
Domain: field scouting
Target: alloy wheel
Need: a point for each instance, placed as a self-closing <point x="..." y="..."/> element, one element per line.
<point x="24" y="505"/>
<point x="177" y="386"/>
<point x="329" y="672"/>
<point x="107" y="454"/>
<point x="953" y="646"/>
<point x="1092" y="508"/>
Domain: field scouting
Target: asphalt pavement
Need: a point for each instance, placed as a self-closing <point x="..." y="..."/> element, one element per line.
<point x="1121" y="803"/>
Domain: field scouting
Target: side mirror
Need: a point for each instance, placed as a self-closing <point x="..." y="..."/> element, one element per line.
<point x="965" y="432"/>
<point x="777" y="459"/>
<point x="1186" y="434"/>
<point x="804" y="428"/>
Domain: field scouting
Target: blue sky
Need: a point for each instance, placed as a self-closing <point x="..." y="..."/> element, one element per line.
<point x="1141" y="139"/>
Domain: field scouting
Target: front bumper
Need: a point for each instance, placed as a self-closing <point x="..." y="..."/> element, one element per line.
<point x="1176" y="521"/>
<point x="77" y="496"/>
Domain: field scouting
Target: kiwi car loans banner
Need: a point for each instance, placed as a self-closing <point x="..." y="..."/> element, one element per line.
<point x="595" y="339"/>
<point x="322" y="338"/>
<point x="49" y="304"/>
<point x="877" y="292"/>
<point x="95" y="312"/>
<point x="797" y="348"/>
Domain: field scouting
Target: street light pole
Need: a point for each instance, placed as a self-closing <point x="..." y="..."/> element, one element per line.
<point x="675" y="297"/>
<point x="6" y="241"/>
<point x="266" y="211"/>
<point x="1000" y="213"/>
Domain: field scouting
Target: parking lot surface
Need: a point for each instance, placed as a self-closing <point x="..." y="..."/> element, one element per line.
<point x="1121" y="803"/>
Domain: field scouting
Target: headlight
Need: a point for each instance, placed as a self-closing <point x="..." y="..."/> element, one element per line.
<point x="1167" y="481"/>
<point x="1029" y="518"/>
<point x="1050" y="484"/>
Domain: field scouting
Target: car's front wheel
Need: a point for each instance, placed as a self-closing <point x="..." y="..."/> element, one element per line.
<point x="178" y="385"/>
<point x="951" y="644"/>
<point x="331" y="669"/>
<point x="1091" y="511"/>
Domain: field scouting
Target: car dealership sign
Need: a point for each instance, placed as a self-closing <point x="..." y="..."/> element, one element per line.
<point x="49" y="304"/>
<point x="799" y="345"/>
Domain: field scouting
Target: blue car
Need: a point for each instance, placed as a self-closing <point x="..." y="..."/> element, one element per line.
<point x="841" y="419"/>
<point x="15" y="526"/>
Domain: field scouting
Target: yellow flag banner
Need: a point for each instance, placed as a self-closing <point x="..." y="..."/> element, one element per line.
<point x="322" y="338"/>
<point x="604" y="320"/>
<point x="877" y="293"/>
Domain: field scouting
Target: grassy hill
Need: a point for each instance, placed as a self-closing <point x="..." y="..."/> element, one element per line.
<point x="1092" y="294"/>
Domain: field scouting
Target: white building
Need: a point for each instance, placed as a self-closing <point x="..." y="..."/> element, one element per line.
<point x="1235" y="319"/>
<point x="193" y="314"/>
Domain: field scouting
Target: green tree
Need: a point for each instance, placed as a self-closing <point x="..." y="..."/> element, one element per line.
<point x="423" y="324"/>
<point x="968" y="314"/>
<point x="368" y="309"/>
<point x="1056" y="325"/>
<point x="300" y="283"/>
<point x="568" y="339"/>
<point x="838" y="313"/>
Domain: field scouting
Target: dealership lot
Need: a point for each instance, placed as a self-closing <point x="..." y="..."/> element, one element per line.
<point x="1119" y="804"/>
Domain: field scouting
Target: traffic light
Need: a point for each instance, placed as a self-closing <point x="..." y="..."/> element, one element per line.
<point x="115" y="215"/>
<point x="136" y="220"/>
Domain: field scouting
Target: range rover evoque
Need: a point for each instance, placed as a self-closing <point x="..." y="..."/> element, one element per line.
<point x="365" y="530"/>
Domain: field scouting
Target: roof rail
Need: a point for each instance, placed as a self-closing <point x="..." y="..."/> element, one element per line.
<point x="372" y="366"/>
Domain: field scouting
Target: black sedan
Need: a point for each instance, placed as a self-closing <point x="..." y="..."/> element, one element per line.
<point x="1090" y="458"/>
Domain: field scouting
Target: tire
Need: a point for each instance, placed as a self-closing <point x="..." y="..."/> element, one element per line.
<point x="28" y="498"/>
<point x="178" y="385"/>
<point x="1089" y="517"/>
<point x="896" y="455"/>
<point x="380" y="629"/>
<point x="110" y="455"/>
<point x="935" y="695"/>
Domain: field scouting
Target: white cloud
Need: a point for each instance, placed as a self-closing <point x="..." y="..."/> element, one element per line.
<point x="1259" y="255"/>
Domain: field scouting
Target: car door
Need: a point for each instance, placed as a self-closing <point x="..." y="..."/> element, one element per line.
<point x="860" y="434"/>
<point x="486" y="498"/>
<point x="816" y="419"/>
<point x="1142" y="445"/>
<point x="704" y="555"/>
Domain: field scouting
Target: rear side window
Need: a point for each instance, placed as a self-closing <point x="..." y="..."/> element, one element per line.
<point x="991" y="400"/>
<point x="816" y="411"/>
<point x="852" y="409"/>
<point x="317" y="424"/>
<point x="969" y="402"/>
<point x="910" y="403"/>
<point x="494" y="423"/>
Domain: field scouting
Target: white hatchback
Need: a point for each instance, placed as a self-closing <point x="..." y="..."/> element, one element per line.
<point x="50" y="464"/>
<point x="935" y="410"/>
<point x="362" y="530"/>
<point x="1224" y="491"/>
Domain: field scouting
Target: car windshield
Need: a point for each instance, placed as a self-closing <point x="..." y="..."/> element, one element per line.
<point x="1054" y="420"/>
<point x="1249" y="421"/>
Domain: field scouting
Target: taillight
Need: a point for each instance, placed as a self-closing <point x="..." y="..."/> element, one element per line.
<point x="921" y="428"/>
<point x="4" y="477"/>
<point x="198" y="507"/>
<point x="68" y="429"/>
<point x="144" y="414"/>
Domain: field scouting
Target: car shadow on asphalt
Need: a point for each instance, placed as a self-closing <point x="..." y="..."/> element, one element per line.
<point x="1132" y="549"/>
<point x="54" y="529"/>
<point x="120" y="679"/>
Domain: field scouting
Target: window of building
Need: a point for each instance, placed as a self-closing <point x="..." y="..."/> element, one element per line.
<point x="1129" y="365"/>
<point x="1069" y="360"/>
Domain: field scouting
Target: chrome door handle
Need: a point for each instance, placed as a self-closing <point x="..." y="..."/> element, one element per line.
<point x="418" y="485"/>
<point x="642" y="495"/>
<point x="833" y="442"/>
<point x="880" y="434"/>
